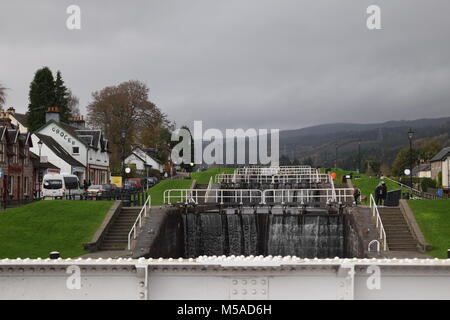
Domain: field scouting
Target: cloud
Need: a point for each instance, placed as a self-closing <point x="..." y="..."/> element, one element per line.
<point x="254" y="63"/>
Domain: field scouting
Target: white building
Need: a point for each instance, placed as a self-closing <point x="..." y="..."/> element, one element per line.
<point x="422" y="171"/>
<point x="441" y="163"/>
<point x="143" y="159"/>
<point x="73" y="147"/>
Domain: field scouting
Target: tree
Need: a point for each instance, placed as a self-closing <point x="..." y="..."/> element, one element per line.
<point x="284" y="160"/>
<point x="372" y="166"/>
<point x="46" y="92"/>
<point x="126" y="108"/>
<point x="2" y="95"/>
<point x="73" y="103"/>
<point x="62" y="98"/>
<point x="41" y="96"/>
<point x="403" y="161"/>
<point x="429" y="149"/>
<point x="308" y="162"/>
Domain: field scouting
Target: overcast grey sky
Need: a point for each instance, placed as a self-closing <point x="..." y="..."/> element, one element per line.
<point x="240" y="63"/>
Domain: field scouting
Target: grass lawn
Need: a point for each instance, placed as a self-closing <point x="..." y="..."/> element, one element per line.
<point x="36" y="229"/>
<point x="433" y="217"/>
<point x="204" y="176"/>
<point x="365" y="183"/>
<point x="157" y="192"/>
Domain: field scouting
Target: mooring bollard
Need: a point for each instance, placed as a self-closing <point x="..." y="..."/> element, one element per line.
<point x="54" y="255"/>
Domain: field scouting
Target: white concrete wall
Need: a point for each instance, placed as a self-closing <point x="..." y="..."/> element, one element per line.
<point x="132" y="159"/>
<point x="94" y="157"/>
<point x="226" y="278"/>
<point x="446" y="173"/>
<point x="149" y="160"/>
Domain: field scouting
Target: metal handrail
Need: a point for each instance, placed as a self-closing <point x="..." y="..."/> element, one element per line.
<point x="304" y="196"/>
<point x="278" y="178"/>
<point x="333" y="188"/>
<point x="133" y="231"/>
<point x="276" y="170"/>
<point x="210" y="183"/>
<point x="189" y="196"/>
<point x="379" y="223"/>
<point x="282" y="196"/>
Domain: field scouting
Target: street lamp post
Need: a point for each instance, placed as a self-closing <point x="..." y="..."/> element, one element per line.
<point x="40" y="143"/>
<point x="410" y="136"/>
<point x="123" y="135"/>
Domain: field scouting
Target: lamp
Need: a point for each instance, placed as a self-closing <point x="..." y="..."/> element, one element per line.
<point x="410" y="137"/>
<point x="40" y="143"/>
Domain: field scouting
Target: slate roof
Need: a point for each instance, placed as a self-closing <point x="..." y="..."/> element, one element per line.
<point x="58" y="150"/>
<point x="22" y="118"/>
<point x="90" y="137"/>
<point x="95" y="134"/>
<point x="441" y="155"/>
<point x="421" y="167"/>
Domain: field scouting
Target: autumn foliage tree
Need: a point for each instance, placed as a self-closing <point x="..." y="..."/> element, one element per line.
<point x="126" y="108"/>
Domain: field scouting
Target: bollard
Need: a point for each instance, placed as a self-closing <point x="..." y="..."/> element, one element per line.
<point x="448" y="254"/>
<point x="54" y="255"/>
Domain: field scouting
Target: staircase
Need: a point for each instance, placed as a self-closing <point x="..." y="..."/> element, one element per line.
<point x="116" y="237"/>
<point x="399" y="237"/>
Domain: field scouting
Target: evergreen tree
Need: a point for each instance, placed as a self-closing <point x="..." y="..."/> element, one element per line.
<point x="62" y="98"/>
<point x="46" y="92"/>
<point x="42" y="96"/>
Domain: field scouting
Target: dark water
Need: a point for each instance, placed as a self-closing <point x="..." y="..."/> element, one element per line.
<point x="306" y="236"/>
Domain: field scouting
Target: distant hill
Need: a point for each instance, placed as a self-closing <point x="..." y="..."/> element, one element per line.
<point x="382" y="140"/>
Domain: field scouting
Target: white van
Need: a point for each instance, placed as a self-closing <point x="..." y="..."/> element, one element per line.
<point x="57" y="185"/>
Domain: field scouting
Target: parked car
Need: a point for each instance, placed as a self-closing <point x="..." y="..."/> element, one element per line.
<point x="151" y="181"/>
<point x="109" y="187"/>
<point x="129" y="187"/>
<point x="136" y="182"/>
<point x="59" y="185"/>
<point x="95" y="190"/>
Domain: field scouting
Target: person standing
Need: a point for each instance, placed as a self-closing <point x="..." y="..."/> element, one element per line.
<point x="378" y="194"/>
<point x="383" y="193"/>
<point x="356" y="194"/>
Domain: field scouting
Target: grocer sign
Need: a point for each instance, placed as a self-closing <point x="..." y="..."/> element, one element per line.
<point x="63" y="135"/>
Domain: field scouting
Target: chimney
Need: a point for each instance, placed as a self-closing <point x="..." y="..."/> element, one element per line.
<point x="5" y="120"/>
<point x="78" y="122"/>
<point x="52" y="114"/>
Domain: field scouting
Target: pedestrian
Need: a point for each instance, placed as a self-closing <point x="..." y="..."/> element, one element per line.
<point x="383" y="192"/>
<point x="356" y="194"/>
<point x="85" y="185"/>
<point x="378" y="194"/>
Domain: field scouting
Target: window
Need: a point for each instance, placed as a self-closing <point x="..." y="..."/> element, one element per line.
<point x="75" y="150"/>
<point x="71" y="182"/>
<point x="16" y="155"/>
<point x="53" y="184"/>
<point x="26" y="160"/>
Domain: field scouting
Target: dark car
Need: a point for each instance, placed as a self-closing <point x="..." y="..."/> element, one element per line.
<point x="150" y="182"/>
<point x="109" y="187"/>
<point x="135" y="182"/>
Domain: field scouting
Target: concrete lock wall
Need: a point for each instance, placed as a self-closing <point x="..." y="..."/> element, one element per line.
<point x="237" y="278"/>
